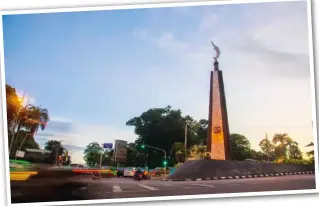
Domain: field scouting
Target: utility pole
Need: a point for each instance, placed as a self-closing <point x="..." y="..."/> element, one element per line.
<point x="57" y="152"/>
<point x="185" y="144"/>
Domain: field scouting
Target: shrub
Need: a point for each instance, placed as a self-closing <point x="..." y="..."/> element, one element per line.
<point x="297" y="162"/>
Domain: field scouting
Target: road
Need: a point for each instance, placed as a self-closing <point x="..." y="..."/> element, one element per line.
<point x="86" y="188"/>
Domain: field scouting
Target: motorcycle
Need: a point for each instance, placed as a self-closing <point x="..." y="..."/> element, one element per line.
<point x="138" y="176"/>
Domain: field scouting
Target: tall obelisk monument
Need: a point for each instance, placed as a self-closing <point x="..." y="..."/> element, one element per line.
<point x="218" y="130"/>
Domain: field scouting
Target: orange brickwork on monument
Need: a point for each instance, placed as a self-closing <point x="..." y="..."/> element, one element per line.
<point x="218" y="131"/>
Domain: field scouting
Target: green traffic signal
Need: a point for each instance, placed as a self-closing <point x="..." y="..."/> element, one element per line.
<point x="142" y="146"/>
<point x="165" y="162"/>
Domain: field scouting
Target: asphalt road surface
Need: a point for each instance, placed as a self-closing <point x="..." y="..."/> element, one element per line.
<point x="86" y="188"/>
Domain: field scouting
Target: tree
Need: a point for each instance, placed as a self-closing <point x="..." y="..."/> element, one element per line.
<point x="36" y="117"/>
<point x="107" y="158"/>
<point x="66" y="160"/>
<point x="28" y="118"/>
<point x="135" y="157"/>
<point x="13" y="106"/>
<point x="259" y="156"/>
<point x="202" y="131"/>
<point x="294" y="151"/>
<point x="178" y="151"/>
<point x="240" y="147"/>
<point x="267" y="148"/>
<point x="92" y="154"/>
<point x="56" y="149"/>
<point x="311" y="153"/>
<point x="162" y="127"/>
<point x="282" y="143"/>
<point x="29" y="143"/>
<point x="197" y="151"/>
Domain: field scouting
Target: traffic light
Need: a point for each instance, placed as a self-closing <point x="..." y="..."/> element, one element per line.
<point x="142" y="146"/>
<point x="165" y="162"/>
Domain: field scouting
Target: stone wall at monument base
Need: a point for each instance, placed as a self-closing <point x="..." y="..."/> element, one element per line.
<point x="227" y="168"/>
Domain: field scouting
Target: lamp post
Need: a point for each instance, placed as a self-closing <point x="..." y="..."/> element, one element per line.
<point x="185" y="143"/>
<point x="101" y="156"/>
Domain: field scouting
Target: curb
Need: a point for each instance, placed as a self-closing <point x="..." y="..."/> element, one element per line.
<point x="242" y="177"/>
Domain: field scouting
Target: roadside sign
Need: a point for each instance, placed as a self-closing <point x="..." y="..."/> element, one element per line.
<point x="20" y="153"/>
<point x="108" y="145"/>
<point x="120" y="151"/>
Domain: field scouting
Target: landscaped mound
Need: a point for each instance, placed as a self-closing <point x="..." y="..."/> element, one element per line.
<point x="224" y="168"/>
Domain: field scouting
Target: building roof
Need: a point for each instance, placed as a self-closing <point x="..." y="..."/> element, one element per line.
<point x="38" y="150"/>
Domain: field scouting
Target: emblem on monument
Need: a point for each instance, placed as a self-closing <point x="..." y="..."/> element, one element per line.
<point x="217" y="129"/>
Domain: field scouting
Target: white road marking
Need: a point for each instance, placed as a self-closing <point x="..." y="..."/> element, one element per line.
<point x="116" y="188"/>
<point x="203" y="185"/>
<point x="148" y="187"/>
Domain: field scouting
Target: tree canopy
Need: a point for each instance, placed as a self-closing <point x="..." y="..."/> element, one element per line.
<point x="162" y="128"/>
<point x="23" y="121"/>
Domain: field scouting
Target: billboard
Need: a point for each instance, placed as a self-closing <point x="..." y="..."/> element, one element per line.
<point x="120" y="151"/>
<point x="108" y="145"/>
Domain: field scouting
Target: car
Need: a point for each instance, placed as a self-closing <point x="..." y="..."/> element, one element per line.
<point x="160" y="171"/>
<point x="129" y="171"/>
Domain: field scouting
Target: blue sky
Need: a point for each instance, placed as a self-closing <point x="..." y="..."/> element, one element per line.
<point x="95" y="70"/>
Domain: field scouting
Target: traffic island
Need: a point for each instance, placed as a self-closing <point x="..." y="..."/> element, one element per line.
<point x="197" y="170"/>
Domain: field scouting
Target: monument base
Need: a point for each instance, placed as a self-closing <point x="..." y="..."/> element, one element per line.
<point x="210" y="169"/>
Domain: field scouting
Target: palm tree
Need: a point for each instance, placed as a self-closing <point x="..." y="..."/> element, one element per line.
<point x="284" y="141"/>
<point x="36" y="117"/>
<point x="311" y="153"/>
<point x="178" y="151"/>
<point x="201" y="150"/>
<point x="32" y="118"/>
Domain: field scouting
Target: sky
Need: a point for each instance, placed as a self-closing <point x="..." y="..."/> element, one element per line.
<point x="95" y="70"/>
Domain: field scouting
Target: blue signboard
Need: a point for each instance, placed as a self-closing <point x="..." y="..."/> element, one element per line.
<point x="108" y="145"/>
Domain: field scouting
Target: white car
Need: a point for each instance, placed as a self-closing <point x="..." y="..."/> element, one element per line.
<point x="129" y="171"/>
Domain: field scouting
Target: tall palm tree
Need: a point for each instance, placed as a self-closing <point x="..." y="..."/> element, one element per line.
<point x="284" y="141"/>
<point x="311" y="152"/>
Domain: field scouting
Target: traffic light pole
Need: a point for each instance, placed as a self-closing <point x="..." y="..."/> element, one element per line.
<point x="160" y="150"/>
<point x="157" y="149"/>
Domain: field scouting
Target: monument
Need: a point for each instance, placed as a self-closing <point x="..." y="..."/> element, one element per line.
<point x="219" y="165"/>
<point x="218" y="130"/>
